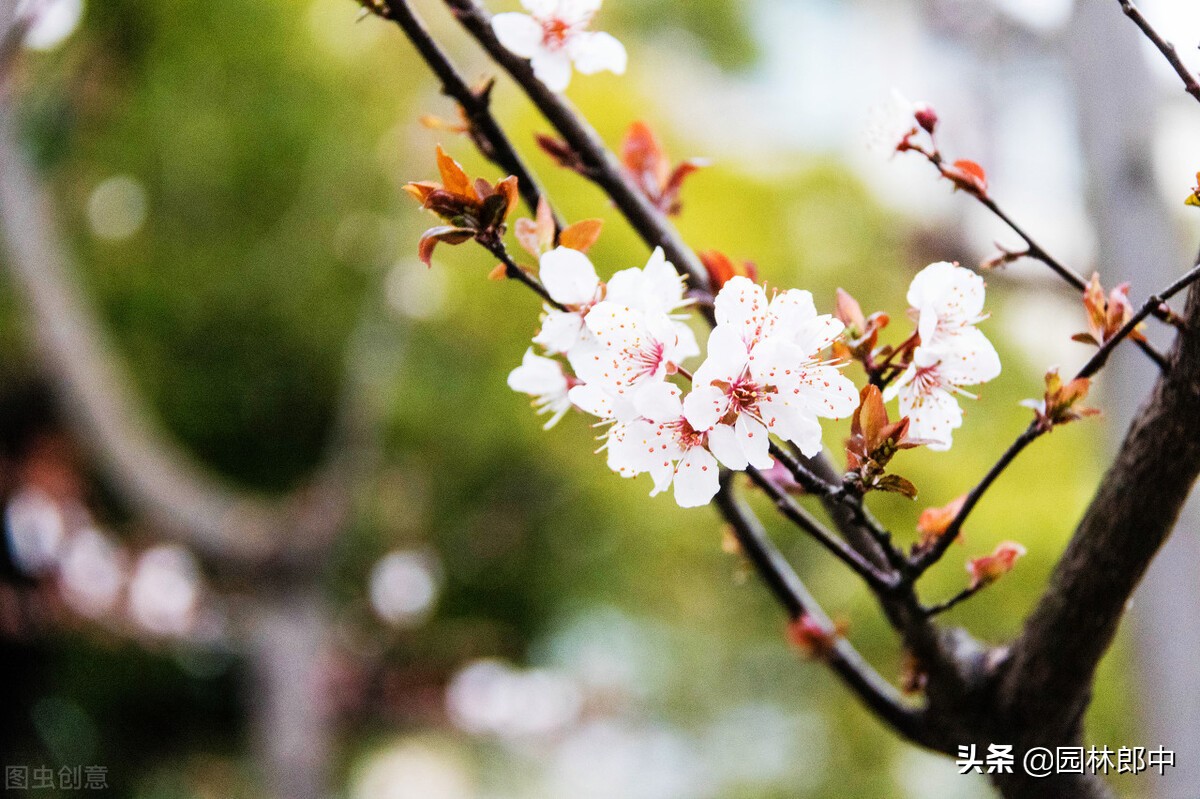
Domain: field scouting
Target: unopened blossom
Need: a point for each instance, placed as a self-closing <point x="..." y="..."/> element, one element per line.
<point x="990" y="568"/>
<point x="544" y="380"/>
<point x="764" y="372"/>
<point x="953" y="353"/>
<point x="894" y="124"/>
<point x="554" y="34"/>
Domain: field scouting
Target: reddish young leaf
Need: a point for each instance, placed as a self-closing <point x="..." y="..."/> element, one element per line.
<point x="934" y="522"/>
<point x="721" y="268"/>
<point x="992" y="567"/>
<point x="581" y="235"/>
<point x="454" y="177"/>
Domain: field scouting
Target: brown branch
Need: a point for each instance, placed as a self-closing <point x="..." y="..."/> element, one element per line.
<point x="793" y="512"/>
<point x="484" y="131"/>
<point x="604" y="168"/>
<point x="1133" y="512"/>
<point x="875" y="692"/>
<point x="1190" y="84"/>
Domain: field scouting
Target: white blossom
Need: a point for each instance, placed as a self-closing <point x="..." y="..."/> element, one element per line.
<point x="952" y="353"/>
<point x="764" y="373"/>
<point x="544" y="380"/>
<point x="554" y="34"/>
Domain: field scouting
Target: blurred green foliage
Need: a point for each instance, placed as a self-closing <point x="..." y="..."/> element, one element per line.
<point x="271" y="139"/>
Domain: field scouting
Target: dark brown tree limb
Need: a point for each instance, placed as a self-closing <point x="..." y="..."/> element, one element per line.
<point x="1052" y="664"/>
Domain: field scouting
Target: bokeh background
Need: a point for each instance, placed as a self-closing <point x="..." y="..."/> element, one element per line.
<point x="501" y="617"/>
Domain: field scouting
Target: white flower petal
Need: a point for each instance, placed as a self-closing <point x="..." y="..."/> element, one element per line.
<point x="553" y="68"/>
<point x="969" y="358"/>
<point x="569" y="276"/>
<point x="827" y="392"/>
<point x="519" y="33"/>
<point x="789" y="311"/>
<point x="724" y="444"/>
<point x="538" y="376"/>
<point x="933" y="416"/>
<point x="755" y="442"/>
<point x="727" y="356"/>
<point x="696" y="479"/>
<point x="742" y="305"/>
<point x="659" y="402"/>
<point x="593" y="52"/>
<point x="561" y="331"/>
<point x="705" y="406"/>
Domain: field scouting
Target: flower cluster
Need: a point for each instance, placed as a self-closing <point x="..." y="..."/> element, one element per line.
<point x="947" y="301"/>
<point x="554" y="35"/>
<point x="625" y="343"/>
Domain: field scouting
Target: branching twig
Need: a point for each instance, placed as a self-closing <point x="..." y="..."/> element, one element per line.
<point x="484" y="130"/>
<point x="790" y="591"/>
<point x="793" y="512"/>
<point x="961" y="596"/>
<point x="1190" y="84"/>
<point x="1038" y="252"/>
<point x="602" y="165"/>
<point x="926" y="559"/>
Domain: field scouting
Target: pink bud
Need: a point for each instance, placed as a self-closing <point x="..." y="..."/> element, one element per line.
<point x="926" y="117"/>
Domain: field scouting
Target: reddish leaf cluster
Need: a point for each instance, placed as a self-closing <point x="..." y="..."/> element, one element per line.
<point x="721" y="269"/>
<point x="647" y="163"/>
<point x="1062" y="402"/>
<point x="873" y="442"/>
<point x="537" y="236"/>
<point x="472" y="209"/>
<point x="1106" y="314"/>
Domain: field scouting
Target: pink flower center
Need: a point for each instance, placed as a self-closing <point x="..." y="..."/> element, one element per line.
<point x="686" y="435"/>
<point x="926" y="379"/>
<point x="644" y="360"/>
<point x="556" y="31"/>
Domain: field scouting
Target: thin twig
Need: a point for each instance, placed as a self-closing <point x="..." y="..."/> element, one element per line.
<point x="1038" y="252"/>
<point x="793" y="512"/>
<point x="813" y="483"/>
<point x="1190" y="84"/>
<point x="926" y="559"/>
<point x="649" y="221"/>
<point x="1097" y="361"/>
<point x="858" y="675"/>
<point x="515" y="271"/>
<point x="484" y="130"/>
<point x="961" y="596"/>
